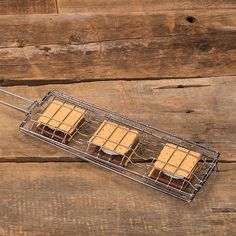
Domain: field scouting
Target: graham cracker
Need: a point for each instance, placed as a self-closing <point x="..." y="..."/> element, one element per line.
<point x="114" y="137"/>
<point x="62" y="117"/>
<point x="177" y="161"/>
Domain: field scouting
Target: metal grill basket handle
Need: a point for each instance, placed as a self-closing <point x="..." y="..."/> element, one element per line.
<point x="18" y="108"/>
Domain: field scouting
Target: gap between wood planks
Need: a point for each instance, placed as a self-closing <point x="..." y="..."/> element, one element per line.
<point x="5" y="82"/>
<point x="56" y="6"/>
<point x="71" y="159"/>
<point x="223" y="166"/>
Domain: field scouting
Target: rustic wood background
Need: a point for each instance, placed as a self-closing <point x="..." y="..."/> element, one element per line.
<point x="169" y="63"/>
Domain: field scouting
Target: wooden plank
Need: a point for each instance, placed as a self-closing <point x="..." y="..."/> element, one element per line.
<point x="14" y="7"/>
<point x="202" y="56"/>
<point x="203" y="110"/>
<point x="117" y="46"/>
<point x="32" y="30"/>
<point x="140" y="5"/>
<point x="81" y="199"/>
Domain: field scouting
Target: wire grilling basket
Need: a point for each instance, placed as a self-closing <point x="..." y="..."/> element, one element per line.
<point x="130" y="148"/>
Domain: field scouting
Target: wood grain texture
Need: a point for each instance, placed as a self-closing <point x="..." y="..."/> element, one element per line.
<point x="14" y="7"/>
<point x="36" y="30"/>
<point x="140" y="5"/>
<point x="125" y="51"/>
<point x="99" y="47"/>
<point x="205" y="55"/>
<point x="203" y="110"/>
<point x="81" y="199"/>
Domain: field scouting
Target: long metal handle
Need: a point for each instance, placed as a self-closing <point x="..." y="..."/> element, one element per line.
<point x="29" y="101"/>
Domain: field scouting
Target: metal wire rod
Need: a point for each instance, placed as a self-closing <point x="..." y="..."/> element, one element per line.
<point x="17" y="96"/>
<point x="18" y="108"/>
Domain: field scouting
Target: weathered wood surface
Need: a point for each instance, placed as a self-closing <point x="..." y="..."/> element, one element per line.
<point x="14" y="7"/>
<point x="36" y="30"/>
<point x="203" y="110"/>
<point x="104" y="47"/>
<point x="81" y="199"/>
<point x="206" y="55"/>
<point x="140" y="5"/>
<point x="118" y="49"/>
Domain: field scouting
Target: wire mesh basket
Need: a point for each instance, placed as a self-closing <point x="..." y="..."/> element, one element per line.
<point x="150" y="156"/>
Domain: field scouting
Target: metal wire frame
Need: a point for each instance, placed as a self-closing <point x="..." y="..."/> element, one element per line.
<point x="141" y="157"/>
